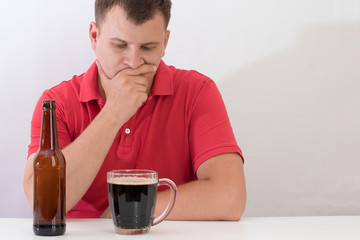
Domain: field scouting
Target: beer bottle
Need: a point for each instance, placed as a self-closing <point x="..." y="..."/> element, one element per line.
<point x="49" y="178"/>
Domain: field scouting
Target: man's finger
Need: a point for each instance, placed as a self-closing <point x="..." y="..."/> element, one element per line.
<point x="143" y="69"/>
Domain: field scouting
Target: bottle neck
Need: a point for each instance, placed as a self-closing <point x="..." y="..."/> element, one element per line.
<point x="49" y="137"/>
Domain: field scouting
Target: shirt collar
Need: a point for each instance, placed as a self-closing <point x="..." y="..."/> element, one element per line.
<point x="89" y="89"/>
<point x="163" y="83"/>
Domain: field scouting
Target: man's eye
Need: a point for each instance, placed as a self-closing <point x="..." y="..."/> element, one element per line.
<point x="146" y="48"/>
<point x="121" y="46"/>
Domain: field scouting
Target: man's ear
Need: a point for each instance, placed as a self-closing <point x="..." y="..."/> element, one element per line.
<point x="94" y="32"/>
<point x="166" y="40"/>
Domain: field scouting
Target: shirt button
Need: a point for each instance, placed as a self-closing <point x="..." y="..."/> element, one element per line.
<point x="127" y="131"/>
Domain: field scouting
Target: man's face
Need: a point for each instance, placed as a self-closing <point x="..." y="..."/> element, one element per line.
<point x="121" y="44"/>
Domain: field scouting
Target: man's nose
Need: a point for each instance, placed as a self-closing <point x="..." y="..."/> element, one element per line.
<point x="134" y="58"/>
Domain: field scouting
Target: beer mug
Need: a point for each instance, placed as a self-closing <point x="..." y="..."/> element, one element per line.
<point x="132" y="198"/>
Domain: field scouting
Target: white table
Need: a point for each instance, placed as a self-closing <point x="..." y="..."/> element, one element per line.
<point x="289" y="228"/>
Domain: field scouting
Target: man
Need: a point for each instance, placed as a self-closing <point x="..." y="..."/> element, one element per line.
<point x="130" y="110"/>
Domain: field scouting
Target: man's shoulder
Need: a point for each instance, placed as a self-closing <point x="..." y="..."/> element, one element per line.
<point x="72" y="85"/>
<point x="189" y="78"/>
<point x="67" y="91"/>
<point x="192" y="75"/>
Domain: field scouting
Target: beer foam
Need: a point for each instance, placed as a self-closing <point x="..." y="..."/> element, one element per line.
<point x="132" y="181"/>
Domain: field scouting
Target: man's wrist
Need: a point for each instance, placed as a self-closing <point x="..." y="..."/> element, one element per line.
<point x="112" y="118"/>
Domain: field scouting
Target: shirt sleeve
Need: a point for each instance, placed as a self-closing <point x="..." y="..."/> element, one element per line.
<point x="63" y="134"/>
<point x="211" y="133"/>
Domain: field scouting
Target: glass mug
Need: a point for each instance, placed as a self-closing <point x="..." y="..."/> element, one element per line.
<point x="132" y="198"/>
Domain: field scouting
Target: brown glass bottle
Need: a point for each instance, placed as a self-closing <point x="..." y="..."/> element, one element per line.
<point x="49" y="178"/>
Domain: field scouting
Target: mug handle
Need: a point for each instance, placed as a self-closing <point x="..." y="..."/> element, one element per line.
<point x="170" y="206"/>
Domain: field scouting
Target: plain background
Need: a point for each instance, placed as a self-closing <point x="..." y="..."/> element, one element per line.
<point x="288" y="71"/>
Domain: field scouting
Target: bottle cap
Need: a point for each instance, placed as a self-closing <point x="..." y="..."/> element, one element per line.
<point x="48" y="104"/>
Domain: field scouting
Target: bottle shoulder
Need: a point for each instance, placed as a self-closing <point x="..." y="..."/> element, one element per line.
<point x="46" y="158"/>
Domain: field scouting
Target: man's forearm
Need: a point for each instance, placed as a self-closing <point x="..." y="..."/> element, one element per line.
<point x="198" y="200"/>
<point x="84" y="157"/>
<point x="219" y="194"/>
<point x="192" y="205"/>
<point x="86" y="154"/>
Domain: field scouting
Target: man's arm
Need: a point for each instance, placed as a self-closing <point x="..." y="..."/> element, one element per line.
<point x="125" y="93"/>
<point x="84" y="158"/>
<point x="218" y="194"/>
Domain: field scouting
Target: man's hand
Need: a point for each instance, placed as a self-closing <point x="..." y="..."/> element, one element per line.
<point x="128" y="90"/>
<point x="106" y="213"/>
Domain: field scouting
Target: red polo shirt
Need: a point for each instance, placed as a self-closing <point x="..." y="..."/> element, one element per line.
<point x="183" y="123"/>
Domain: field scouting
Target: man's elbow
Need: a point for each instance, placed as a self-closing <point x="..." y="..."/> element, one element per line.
<point x="28" y="179"/>
<point x="234" y="209"/>
<point x="28" y="189"/>
<point x="234" y="206"/>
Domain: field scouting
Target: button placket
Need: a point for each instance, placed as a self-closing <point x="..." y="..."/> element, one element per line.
<point x="127" y="137"/>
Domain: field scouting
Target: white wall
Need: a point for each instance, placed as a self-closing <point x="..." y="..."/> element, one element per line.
<point x="288" y="71"/>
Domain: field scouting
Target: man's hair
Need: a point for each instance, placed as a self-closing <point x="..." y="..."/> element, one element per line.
<point x="138" y="11"/>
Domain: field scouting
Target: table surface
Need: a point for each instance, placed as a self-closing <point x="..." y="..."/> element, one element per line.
<point x="339" y="227"/>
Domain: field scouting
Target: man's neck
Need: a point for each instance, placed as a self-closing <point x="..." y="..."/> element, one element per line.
<point x="101" y="89"/>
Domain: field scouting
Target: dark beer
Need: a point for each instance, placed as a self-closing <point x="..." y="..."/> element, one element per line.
<point x="49" y="178"/>
<point x="132" y="202"/>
